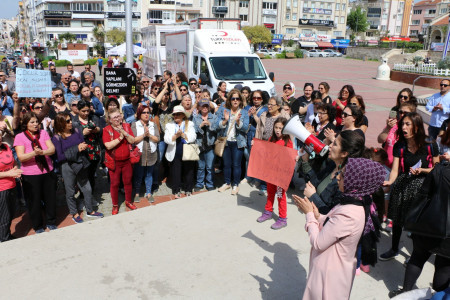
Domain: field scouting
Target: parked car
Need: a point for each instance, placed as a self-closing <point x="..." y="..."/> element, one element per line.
<point x="333" y="53"/>
<point x="318" y="53"/>
<point x="267" y="52"/>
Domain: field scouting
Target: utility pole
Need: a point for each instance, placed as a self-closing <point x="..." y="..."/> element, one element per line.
<point x="129" y="33"/>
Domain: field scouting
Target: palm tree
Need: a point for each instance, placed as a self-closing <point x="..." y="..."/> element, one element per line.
<point x="99" y="35"/>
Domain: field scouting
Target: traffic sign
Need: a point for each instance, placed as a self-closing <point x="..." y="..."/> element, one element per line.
<point x="119" y="81"/>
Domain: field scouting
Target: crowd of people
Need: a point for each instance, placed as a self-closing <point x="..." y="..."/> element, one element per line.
<point x="142" y="138"/>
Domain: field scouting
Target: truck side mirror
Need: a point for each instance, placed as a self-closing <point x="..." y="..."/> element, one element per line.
<point x="204" y="80"/>
<point x="272" y="76"/>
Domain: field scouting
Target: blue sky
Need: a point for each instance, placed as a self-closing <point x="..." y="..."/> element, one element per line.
<point x="9" y="8"/>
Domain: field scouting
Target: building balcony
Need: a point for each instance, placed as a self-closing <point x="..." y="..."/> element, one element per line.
<point x="374" y="27"/>
<point x="429" y="15"/>
<point x="270" y="12"/>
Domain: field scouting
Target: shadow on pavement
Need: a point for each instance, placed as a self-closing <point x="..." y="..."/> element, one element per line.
<point x="255" y="201"/>
<point x="288" y="277"/>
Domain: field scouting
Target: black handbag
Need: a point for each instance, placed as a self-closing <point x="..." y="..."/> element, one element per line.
<point x="429" y="213"/>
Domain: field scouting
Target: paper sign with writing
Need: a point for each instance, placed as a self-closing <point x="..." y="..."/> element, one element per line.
<point x="33" y="83"/>
<point x="272" y="163"/>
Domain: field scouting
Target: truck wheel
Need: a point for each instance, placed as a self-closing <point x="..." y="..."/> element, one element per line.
<point x="320" y="55"/>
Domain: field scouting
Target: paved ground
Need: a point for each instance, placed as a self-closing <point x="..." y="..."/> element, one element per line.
<point x="204" y="246"/>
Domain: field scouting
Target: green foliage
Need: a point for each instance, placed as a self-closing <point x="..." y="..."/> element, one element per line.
<point x="282" y="54"/>
<point x="410" y="45"/>
<point x="290" y="43"/>
<point x="58" y="63"/>
<point x="258" y="34"/>
<point x="91" y="62"/>
<point x="116" y="36"/>
<point x="417" y="59"/>
<point x="266" y="57"/>
<point x="69" y="37"/>
<point x="298" y="53"/>
<point x="357" y="20"/>
<point x="444" y="63"/>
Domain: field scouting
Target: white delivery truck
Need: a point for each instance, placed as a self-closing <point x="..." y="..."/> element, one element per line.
<point x="210" y="23"/>
<point x="154" y="40"/>
<point x="214" y="55"/>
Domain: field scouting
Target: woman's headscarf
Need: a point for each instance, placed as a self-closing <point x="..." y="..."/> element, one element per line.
<point x="292" y="86"/>
<point x="362" y="177"/>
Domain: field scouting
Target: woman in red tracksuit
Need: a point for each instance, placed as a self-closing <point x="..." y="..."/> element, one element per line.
<point x="273" y="190"/>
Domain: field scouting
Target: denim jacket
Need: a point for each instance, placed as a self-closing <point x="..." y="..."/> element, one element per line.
<point x="241" y="129"/>
<point x="211" y="131"/>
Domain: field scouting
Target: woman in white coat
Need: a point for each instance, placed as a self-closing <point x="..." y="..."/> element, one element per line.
<point x="177" y="133"/>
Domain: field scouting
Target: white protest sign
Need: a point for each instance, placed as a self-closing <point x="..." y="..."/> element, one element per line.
<point x="33" y="83"/>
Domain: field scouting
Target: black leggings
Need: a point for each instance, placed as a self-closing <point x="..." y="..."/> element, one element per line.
<point x="421" y="253"/>
<point x="396" y="235"/>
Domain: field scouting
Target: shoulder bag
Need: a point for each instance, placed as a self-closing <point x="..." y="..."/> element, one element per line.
<point x="221" y="142"/>
<point x="190" y="151"/>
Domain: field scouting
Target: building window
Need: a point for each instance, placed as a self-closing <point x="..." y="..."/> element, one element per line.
<point x="369" y="34"/>
<point x="397" y="28"/>
<point x="114" y="23"/>
<point x="338" y="6"/>
<point x="295" y="2"/>
<point x="288" y="4"/>
<point x="431" y="11"/>
<point x="322" y="5"/>
<point x="269" y="5"/>
<point x="343" y="6"/>
<point x="342" y="20"/>
<point x="329" y="6"/>
<point x="291" y="30"/>
<point x="270" y="19"/>
<point x="322" y="32"/>
<point x="337" y="33"/>
<point x="305" y="4"/>
<point x="288" y="16"/>
<point x="220" y="3"/>
<point x="320" y="17"/>
<point x="58" y="23"/>
<point x="243" y="18"/>
<point x="307" y="31"/>
<point x="155" y="16"/>
<point x="167" y="15"/>
<point x="336" y="20"/>
<point x="243" y="3"/>
<point x="384" y="16"/>
<point x="417" y="11"/>
<point x="443" y="10"/>
<point x="294" y="17"/>
<point x="383" y="27"/>
<point x="414" y="33"/>
<point x="415" y="22"/>
<point x="313" y="4"/>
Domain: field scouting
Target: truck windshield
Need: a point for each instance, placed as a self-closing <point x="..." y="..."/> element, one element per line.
<point x="237" y="68"/>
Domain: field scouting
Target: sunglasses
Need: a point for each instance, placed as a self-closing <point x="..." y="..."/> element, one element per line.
<point x="257" y="98"/>
<point x="402" y="112"/>
<point x="345" y="115"/>
<point x="235" y="98"/>
<point x="145" y="81"/>
<point x="353" y="104"/>
<point x="74" y="104"/>
<point x="178" y="114"/>
<point x="406" y="97"/>
<point x="58" y="95"/>
<point x="69" y="121"/>
<point x="156" y="88"/>
<point x="444" y="85"/>
<point x="145" y="112"/>
<point x="287" y="88"/>
<point x="193" y="83"/>
<point x="87" y="68"/>
<point x="38" y="107"/>
<point x="198" y="92"/>
<point x="52" y="69"/>
<point x="183" y="90"/>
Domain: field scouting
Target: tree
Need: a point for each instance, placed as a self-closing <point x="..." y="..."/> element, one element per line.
<point x="357" y="20"/>
<point x="68" y="37"/>
<point x="53" y="46"/>
<point x="258" y="34"/>
<point x="116" y="36"/>
<point x="99" y="35"/>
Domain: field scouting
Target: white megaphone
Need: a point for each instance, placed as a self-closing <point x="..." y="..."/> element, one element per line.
<point x="295" y="127"/>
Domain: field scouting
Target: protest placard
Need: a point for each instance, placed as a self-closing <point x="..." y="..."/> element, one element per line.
<point x="272" y="163"/>
<point x="33" y="83"/>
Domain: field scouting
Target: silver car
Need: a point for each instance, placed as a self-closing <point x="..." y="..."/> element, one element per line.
<point x="318" y="53"/>
<point x="333" y="53"/>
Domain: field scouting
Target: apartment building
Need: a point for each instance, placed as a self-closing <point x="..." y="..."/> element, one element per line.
<point x="115" y="16"/>
<point x="170" y="11"/>
<point x="6" y="27"/>
<point x="423" y="13"/>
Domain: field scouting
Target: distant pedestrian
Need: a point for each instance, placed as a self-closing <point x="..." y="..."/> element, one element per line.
<point x="116" y="62"/>
<point x="4" y="66"/>
<point x="14" y="65"/>
<point x="31" y="63"/>
<point x="439" y="106"/>
<point x="109" y="63"/>
<point x="26" y="60"/>
<point x="100" y="65"/>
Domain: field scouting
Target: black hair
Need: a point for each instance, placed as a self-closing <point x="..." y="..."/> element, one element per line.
<point x="83" y="103"/>
<point x="330" y="109"/>
<point x="316" y="95"/>
<point x="308" y="84"/>
<point x="353" y="143"/>
<point x="357" y="114"/>
<point x="351" y="91"/>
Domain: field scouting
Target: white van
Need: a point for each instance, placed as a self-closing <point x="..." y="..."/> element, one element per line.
<point x="214" y="55"/>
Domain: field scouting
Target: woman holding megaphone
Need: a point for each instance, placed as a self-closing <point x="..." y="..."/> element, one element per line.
<point x="322" y="187"/>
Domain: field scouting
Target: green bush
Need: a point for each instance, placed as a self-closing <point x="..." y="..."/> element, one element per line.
<point x="45" y="63"/>
<point x="444" y="63"/>
<point x="91" y="62"/>
<point x="267" y="57"/>
<point x="62" y="63"/>
<point x="298" y="53"/>
<point x="282" y="54"/>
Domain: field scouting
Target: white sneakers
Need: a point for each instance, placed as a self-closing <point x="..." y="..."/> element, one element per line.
<point x="225" y="187"/>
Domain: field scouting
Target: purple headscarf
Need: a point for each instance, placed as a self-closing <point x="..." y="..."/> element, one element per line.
<point x="362" y="177"/>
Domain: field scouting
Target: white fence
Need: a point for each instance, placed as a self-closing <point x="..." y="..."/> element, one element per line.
<point x="429" y="69"/>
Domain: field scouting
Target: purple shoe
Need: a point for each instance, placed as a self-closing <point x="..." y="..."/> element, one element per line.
<point x="267" y="215"/>
<point x="280" y="223"/>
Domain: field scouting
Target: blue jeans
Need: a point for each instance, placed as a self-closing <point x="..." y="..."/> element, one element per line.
<point x="206" y="162"/>
<point x="232" y="157"/>
<point x="250" y="136"/>
<point x="140" y="172"/>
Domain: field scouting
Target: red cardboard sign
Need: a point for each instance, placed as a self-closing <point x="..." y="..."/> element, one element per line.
<point x="272" y="163"/>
